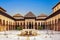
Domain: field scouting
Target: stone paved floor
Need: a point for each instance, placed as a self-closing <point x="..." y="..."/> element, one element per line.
<point x="44" y="35"/>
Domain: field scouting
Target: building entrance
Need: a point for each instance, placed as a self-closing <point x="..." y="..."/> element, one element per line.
<point x="30" y="25"/>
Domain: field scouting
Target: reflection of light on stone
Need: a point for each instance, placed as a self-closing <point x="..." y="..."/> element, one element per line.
<point x="5" y="34"/>
<point x="28" y="38"/>
<point x="18" y="37"/>
<point x="45" y="36"/>
<point x="50" y="36"/>
<point x="34" y="38"/>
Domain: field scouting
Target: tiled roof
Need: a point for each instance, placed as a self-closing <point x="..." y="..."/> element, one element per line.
<point x="29" y="14"/>
<point x="18" y="15"/>
<point x="42" y="15"/>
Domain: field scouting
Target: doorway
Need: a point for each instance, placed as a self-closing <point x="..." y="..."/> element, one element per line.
<point x="30" y="25"/>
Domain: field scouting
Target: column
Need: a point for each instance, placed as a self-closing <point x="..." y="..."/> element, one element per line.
<point x="6" y="25"/>
<point x="37" y="25"/>
<point x="45" y="25"/>
<point x="14" y="26"/>
<point x="22" y="25"/>
<point x="25" y="25"/>
<point x="57" y="24"/>
<point x="50" y="25"/>
<point x="3" y="25"/>
<point x="33" y="25"/>
<point x="9" y="25"/>
<point x="0" y="24"/>
<point x="54" y="25"/>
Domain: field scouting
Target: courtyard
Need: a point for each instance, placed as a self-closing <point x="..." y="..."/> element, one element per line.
<point x="44" y="35"/>
<point x="35" y="23"/>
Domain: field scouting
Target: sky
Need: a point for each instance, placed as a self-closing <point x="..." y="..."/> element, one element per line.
<point x="24" y="6"/>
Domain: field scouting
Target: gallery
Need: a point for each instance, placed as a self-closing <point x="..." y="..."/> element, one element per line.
<point x="31" y="21"/>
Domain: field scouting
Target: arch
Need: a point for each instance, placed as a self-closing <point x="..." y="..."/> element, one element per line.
<point x="17" y="24"/>
<point x="55" y="24"/>
<point x="3" y="22"/>
<point x="23" y="25"/>
<point x="30" y="25"/>
<point x="58" y="24"/>
<point x="36" y="25"/>
<point x="27" y="25"/>
<point x="0" y="22"/>
<point x="7" y="25"/>
<point x="50" y="25"/>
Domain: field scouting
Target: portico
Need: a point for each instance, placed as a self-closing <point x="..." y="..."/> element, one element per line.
<point x="31" y="21"/>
